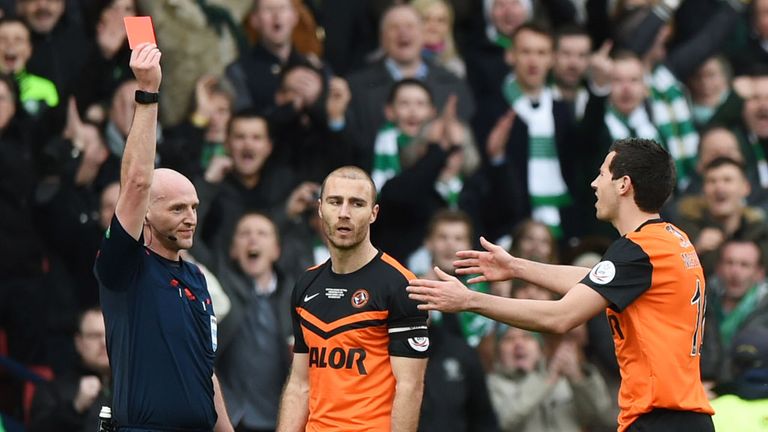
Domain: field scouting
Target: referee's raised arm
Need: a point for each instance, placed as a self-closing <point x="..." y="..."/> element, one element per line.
<point x="139" y="156"/>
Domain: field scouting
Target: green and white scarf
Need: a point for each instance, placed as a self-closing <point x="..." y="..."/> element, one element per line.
<point x="546" y="185"/>
<point x="386" y="154"/>
<point x="672" y="117"/>
<point x="386" y="164"/>
<point x="636" y="125"/>
<point x="450" y="190"/>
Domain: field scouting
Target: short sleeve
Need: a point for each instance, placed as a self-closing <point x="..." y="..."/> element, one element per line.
<point x="623" y="275"/>
<point x="407" y="325"/>
<point x="118" y="258"/>
<point x="299" y="344"/>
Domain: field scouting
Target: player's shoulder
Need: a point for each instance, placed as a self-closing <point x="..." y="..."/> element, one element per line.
<point x="310" y="274"/>
<point x="391" y="269"/>
<point x="659" y="236"/>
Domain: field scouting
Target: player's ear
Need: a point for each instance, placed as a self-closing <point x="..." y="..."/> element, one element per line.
<point x="625" y="185"/>
<point x="374" y="213"/>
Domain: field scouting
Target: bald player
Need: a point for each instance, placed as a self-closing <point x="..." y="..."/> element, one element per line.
<point x="161" y="327"/>
<point x="361" y="344"/>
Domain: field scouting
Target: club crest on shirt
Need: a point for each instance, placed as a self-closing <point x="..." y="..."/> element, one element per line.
<point x="360" y="298"/>
<point x="603" y="272"/>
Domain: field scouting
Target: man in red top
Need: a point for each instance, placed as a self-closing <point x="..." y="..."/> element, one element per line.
<point x="650" y="283"/>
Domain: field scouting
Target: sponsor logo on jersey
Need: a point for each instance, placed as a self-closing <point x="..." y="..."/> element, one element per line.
<point x="310" y="297"/>
<point x="338" y="358"/>
<point x="419" y="344"/>
<point x="360" y="298"/>
<point x="603" y="272"/>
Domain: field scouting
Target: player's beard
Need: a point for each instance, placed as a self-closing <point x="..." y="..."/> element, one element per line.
<point x="351" y="242"/>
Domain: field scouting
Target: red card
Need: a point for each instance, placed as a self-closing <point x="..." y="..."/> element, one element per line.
<point x="139" y="30"/>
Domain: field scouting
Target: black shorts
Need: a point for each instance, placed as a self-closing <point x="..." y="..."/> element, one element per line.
<point x="665" y="420"/>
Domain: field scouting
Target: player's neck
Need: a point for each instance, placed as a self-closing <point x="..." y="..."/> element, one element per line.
<point x="345" y="261"/>
<point x="632" y="219"/>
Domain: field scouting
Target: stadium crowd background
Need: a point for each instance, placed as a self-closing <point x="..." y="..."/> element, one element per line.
<point x="260" y="100"/>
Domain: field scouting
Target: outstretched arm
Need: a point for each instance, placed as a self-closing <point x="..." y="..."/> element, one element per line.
<point x="139" y="156"/>
<point x="496" y="264"/>
<point x="449" y="295"/>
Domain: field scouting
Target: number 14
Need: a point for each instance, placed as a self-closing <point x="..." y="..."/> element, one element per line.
<point x="699" y="301"/>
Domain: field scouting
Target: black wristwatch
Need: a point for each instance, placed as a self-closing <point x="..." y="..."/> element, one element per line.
<point x="146" y="98"/>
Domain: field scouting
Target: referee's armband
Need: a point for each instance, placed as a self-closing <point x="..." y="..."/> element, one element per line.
<point x="411" y="340"/>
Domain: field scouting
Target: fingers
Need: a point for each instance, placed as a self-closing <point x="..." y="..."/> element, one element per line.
<point x="443" y="275"/>
<point x="144" y="55"/>
<point x="466" y="262"/>
<point x="468" y="254"/>
<point x="419" y="284"/>
<point x="490" y="247"/>
<point x="476" y="279"/>
<point x="423" y="296"/>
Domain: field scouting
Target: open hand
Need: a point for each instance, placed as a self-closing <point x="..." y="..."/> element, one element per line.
<point x="492" y="265"/>
<point x="447" y="294"/>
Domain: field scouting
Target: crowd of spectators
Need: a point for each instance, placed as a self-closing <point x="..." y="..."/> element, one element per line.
<point x="474" y="117"/>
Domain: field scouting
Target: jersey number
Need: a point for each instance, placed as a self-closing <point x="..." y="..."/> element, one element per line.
<point x="699" y="301"/>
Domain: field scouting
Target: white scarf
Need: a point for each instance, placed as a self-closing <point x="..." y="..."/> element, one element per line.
<point x="546" y="185"/>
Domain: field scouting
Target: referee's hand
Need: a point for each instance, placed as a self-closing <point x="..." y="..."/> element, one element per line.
<point x="145" y="63"/>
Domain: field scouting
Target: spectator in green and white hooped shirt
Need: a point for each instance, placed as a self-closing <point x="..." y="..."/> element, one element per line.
<point x="448" y="232"/>
<point x="37" y="93"/>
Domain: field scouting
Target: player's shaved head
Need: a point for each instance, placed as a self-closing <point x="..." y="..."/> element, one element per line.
<point x="168" y="184"/>
<point x="352" y="173"/>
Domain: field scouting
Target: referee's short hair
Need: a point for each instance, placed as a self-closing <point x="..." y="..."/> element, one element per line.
<point x="649" y="166"/>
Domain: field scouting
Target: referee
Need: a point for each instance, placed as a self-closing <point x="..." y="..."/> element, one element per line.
<point x="650" y="284"/>
<point x="161" y="329"/>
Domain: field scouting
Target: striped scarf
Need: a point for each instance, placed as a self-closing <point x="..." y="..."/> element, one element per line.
<point x="386" y="164"/>
<point x="672" y="117"/>
<point x="636" y="125"/>
<point x="546" y="185"/>
<point x="386" y="154"/>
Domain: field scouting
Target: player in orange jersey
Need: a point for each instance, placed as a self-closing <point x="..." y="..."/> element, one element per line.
<point x="650" y="283"/>
<point x="361" y="343"/>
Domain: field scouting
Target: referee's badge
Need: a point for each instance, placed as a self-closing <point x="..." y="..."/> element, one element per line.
<point x="214" y="333"/>
<point x="603" y="272"/>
